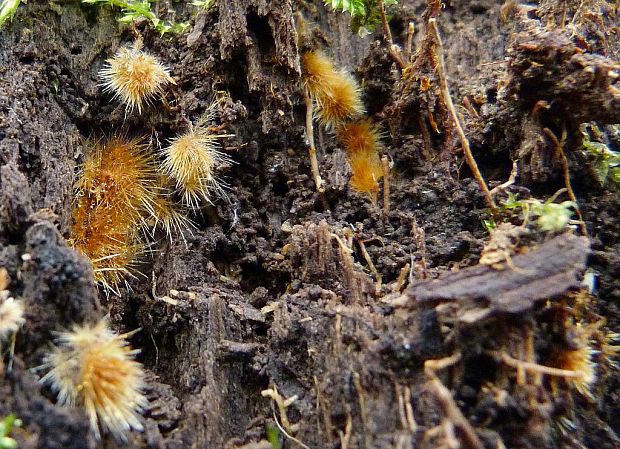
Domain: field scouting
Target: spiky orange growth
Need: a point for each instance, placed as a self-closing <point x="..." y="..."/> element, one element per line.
<point x="362" y="142"/>
<point x="115" y="195"/>
<point x="366" y="172"/>
<point x="134" y="77"/>
<point x="580" y="361"/>
<point x="336" y="93"/>
<point x="168" y="217"/>
<point x="192" y="160"/>
<point x="94" y="368"/>
<point x="360" y="137"/>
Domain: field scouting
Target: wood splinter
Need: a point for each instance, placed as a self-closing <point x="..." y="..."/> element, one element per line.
<point x="314" y="163"/>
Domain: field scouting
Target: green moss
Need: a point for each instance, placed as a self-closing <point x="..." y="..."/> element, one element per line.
<point x="133" y="10"/>
<point x="365" y="14"/>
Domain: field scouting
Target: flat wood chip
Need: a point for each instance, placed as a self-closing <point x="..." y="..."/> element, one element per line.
<point x="549" y="270"/>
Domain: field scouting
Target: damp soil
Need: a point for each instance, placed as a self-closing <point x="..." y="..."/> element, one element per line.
<point x="332" y="300"/>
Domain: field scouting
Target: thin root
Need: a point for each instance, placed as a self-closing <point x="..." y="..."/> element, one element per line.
<point x="314" y="164"/>
<point x="445" y="92"/>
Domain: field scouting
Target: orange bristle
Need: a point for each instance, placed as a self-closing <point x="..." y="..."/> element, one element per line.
<point x="580" y="361"/>
<point x="193" y="159"/>
<point x="336" y="93"/>
<point x="366" y="172"/>
<point x="360" y="137"/>
<point x="115" y="196"/>
<point x="94" y="368"/>
<point x="319" y="73"/>
<point x="362" y="142"/>
<point x="168" y="216"/>
<point x="134" y="77"/>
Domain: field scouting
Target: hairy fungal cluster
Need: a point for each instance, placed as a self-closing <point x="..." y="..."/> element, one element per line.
<point x="336" y="93"/>
<point x="94" y="368"/>
<point x="192" y="159"/>
<point x="362" y="142"/>
<point x="121" y="199"/>
<point x="134" y="77"/>
<point x="127" y="190"/>
<point x="340" y="109"/>
<point x="115" y="195"/>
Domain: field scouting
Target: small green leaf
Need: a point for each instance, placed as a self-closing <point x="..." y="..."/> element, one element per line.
<point x="8" y="9"/>
<point x="273" y="436"/>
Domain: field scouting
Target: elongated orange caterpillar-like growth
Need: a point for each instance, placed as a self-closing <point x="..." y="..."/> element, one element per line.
<point x="580" y="361"/>
<point x="360" y="137"/>
<point x="193" y="159"/>
<point x="115" y="195"/>
<point x="134" y="77"/>
<point x="362" y="142"/>
<point x="366" y="171"/>
<point x="336" y="93"/>
<point x="94" y="368"/>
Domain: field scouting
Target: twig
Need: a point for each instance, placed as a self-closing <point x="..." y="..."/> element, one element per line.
<point x="413" y="425"/>
<point x="282" y="405"/>
<point x="371" y="265"/>
<point x="362" y="402"/>
<point x="511" y="180"/>
<point x="409" y="47"/>
<point x="314" y="164"/>
<point x="286" y="434"/>
<point x="446" y="401"/>
<point x="566" y="171"/>
<point x="345" y="437"/>
<point x="431" y="366"/>
<point x="534" y="367"/>
<point x="385" y="165"/>
<point x="393" y="49"/>
<point x="445" y="91"/>
<point x="454" y="414"/>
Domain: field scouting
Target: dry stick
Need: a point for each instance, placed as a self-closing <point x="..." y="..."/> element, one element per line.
<point x="345" y="438"/>
<point x="446" y="401"/>
<point x="413" y="425"/>
<point x="362" y="404"/>
<point x="569" y="189"/>
<point x="535" y="367"/>
<point x="393" y="49"/>
<point x="409" y="47"/>
<point x="314" y="164"/>
<point x="445" y="91"/>
<point x="385" y="165"/>
<point x="511" y="180"/>
<point x="372" y="267"/>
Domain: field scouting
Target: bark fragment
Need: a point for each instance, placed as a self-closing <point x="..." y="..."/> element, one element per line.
<point x="547" y="271"/>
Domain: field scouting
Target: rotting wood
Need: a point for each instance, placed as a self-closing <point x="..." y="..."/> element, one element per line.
<point x="549" y="270"/>
<point x="234" y="350"/>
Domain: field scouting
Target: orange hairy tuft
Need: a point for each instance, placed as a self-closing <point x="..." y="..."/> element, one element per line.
<point x="134" y="77"/>
<point x="167" y="214"/>
<point x="115" y="195"/>
<point x="336" y="93"/>
<point x="579" y="360"/>
<point x="366" y="172"/>
<point x="362" y="142"/>
<point x="360" y="137"/>
<point x="94" y="368"/>
<point x="192" y="160"/>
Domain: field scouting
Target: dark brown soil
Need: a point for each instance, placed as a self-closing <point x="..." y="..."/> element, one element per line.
<point x="274" y="290"/>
